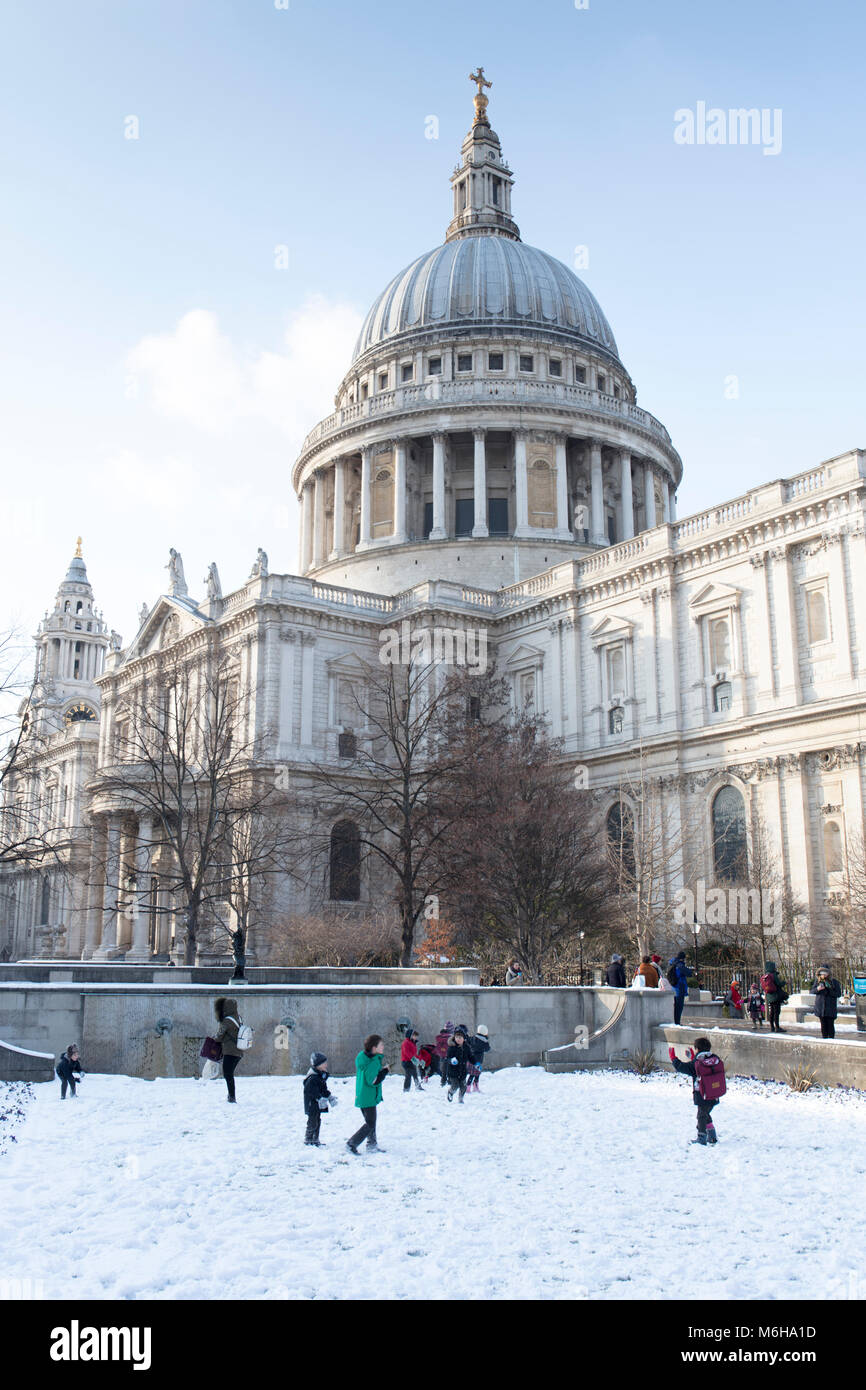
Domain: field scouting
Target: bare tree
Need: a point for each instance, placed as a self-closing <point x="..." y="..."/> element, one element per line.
<point x="525" y="867"/>
<point x="649" y="851"/>
<point x="181" y="759"/>
<point x="337" y="940"/>
<point x="422" y="722"/>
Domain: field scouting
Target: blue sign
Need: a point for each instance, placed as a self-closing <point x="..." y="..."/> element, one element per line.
<point x="860" y="984"/>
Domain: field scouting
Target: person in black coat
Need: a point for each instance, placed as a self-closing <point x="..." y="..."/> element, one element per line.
<point x="616" y="973"/>
<point x="316" y="1090"/>
<point x="67" y="1069"/>
<point x="457" y="1064"/>
<point x="826" y="990"/>
<point x="775" y="995"/>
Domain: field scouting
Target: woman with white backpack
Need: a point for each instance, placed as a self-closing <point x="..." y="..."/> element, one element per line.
<point x="234" y="1036"/>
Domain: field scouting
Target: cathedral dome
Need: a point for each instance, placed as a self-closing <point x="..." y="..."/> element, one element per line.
<point x="485" y="281"/>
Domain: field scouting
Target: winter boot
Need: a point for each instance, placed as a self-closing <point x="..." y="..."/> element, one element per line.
<point x="700" y="1139"/>
<point x="712" y="1137"/>
<point x="450" y="1094"/>
<point x="352" y="1149"/>
<point x="374" y="1148"/>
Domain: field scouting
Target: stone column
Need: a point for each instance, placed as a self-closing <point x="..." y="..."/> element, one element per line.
<point x="140" y="935"/>
<point x="666" y="502"/>
<point x="597" y="532"/>
<point x="400" y="532"/>
<point x="562" y="530"/>
<point x="287" y="690"/>
<point x="554" y="709"/>
<point x="649" y="495"/>
<point x="339" y="538"/>
<point x="306" y="527"/>
<point x="521" y="485"/>
<point x="480" y="527"/>
<point x="672" y="501"/>
<point x="307" y="672"/>
<point x="111" y="890"/>
<point x="787" y="648"/>
<point x="319" y="519"/>
<point x="366" y="469"/>
<point x="627" y="496"/>
<point x="438" y="533"/>
<point x="93" y="936"/>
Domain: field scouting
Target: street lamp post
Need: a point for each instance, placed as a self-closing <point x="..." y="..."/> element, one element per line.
<point x="582" y="935"/>
<point x="696" y="926"/>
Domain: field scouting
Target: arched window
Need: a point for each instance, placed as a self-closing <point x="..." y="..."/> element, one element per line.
<point x="615" y="719"/>
<point x="833" y="862"/>
<point x="722" y="695"/>
<point x="345" y="862"/>
<point x="620" y="836"/>
<point x="541" y="486"/>
<point x="730" y="849"/>
<point x="720" y="644"/>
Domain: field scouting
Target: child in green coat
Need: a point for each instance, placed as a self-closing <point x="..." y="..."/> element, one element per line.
<point x="370" y="1072"/>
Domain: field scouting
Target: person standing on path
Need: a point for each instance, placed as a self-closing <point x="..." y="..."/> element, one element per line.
<point x="228" y="1018"/>
<point x="678" y="976"/>
<point x="827" y="991"/>
<point x="774" y="995"/>
<point x="317" y="1098"/>
<point x="459" y="1058"/>
<point x="616" y="972"/>
<point x="514" y="974"/>
<point x="370" y="1072"/>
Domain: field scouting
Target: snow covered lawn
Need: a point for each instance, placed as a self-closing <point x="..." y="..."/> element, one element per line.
<point x="542" y="1186"/>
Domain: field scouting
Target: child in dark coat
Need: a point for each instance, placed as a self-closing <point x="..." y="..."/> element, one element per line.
<point x="67" y="1069"/>
<point x="317" y="1097"/>
<point x="702" y="1048"/>
<point x="479" y="1046"/>
<point x="755" y="1005"/>
<point x="457" y="1064"/>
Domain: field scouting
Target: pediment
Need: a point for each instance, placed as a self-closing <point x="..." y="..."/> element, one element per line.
<point x="612" y="628"/>
<point x="348" y="664"/>
<point x="712" y="596"/>
<point x="525" y="655"/>
<point x="169" y="620"/>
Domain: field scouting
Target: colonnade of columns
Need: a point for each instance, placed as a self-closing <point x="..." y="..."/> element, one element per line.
<point x="121" y="917"/>
<point x="324" y="538"/>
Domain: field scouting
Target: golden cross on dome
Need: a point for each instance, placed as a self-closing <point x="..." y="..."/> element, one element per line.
<point x="78" y="549"/>
<point x="480" y="79"/>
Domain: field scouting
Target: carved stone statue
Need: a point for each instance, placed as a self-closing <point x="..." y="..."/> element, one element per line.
<point x="142" y="614"/>
<point x="176" y="580"/>
<point x="260" y="565"/>
<point x="115" y="641"/>
<point x="212" y="580"/>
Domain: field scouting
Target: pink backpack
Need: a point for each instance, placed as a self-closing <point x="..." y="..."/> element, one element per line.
<point x="710" y="1071"/>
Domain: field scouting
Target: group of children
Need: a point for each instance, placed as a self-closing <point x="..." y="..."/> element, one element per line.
<point x="456" y="1056"/>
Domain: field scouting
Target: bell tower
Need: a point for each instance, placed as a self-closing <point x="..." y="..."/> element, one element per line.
<point x="71" y="644"/>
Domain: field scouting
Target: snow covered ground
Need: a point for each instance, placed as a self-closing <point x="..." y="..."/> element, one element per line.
<point x="542" y="1186"/>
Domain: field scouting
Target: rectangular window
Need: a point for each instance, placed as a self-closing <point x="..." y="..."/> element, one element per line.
<point x="817" y="615"/>
<point x="555" y="366"/>
<point x="616" y="390"/>
<point x="580" y="375"/>
<point x="527" y="363"/>
<point x="364" y="390"/>
<point x="348" y="745"/>
<point x="407" y="371"/>
<point x="464" y="516"/>
<point x="428" y="519"/>
<point x="497" y="516"/>
<point x="495" y="361"/>
<point x="496" y="193"/>
<point x="383" y="381"/>
<point x="464" y="362"/>
<point x="434" y="366"/>
<point x="602" y="385"/>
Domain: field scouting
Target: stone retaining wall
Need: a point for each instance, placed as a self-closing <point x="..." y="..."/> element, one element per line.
<point x="770" y="1056"/>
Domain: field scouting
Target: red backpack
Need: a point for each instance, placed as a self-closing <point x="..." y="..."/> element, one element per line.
<point x="710" y="1071"/>
<point x="768" y="983"/>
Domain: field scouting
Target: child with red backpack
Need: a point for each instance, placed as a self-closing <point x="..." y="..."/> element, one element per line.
<point x="708" y="1084"/>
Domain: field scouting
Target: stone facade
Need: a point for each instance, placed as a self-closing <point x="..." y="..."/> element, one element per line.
<point x="487" y="467"/>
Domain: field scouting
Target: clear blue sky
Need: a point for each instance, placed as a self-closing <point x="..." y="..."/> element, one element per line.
<point x="305" y="128"/>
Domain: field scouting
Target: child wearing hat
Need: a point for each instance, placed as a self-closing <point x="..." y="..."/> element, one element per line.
<point x="317" y="1098"/>
<point x="479" y="1044"/>
<point x="409" y="1060"/>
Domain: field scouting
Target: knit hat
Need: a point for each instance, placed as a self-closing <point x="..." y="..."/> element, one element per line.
<point x="449" y="1028"/>
<point x="483" y="1030"/>
<point x="317" y="1058"/>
